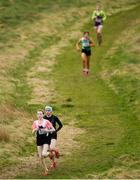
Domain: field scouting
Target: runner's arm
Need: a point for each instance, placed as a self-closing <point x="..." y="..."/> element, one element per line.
<point x="104" y="16"/>
<point x="78" y="45"/>
<point x="93" y="15"/>
<point x="92" y="44"/>
<point x="34" y="128"/>
<point x="60" y="125"/>
<point x="49" y="127"/>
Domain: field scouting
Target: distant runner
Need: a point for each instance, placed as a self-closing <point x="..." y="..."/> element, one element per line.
<point x="42" y="129"/>
<point x="84" y="44"/>
<point x="57" y="124"/>
<point x="98" y="18"/>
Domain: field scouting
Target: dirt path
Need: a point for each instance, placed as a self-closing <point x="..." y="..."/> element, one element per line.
<point x="40" y="91"/>
<point x="17" y="53"/>
<point x="30" y="36"/>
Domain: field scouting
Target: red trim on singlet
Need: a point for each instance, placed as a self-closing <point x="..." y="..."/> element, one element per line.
<point x="47" y="124"/>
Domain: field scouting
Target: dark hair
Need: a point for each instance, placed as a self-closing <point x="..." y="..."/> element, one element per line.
<point x="41" y="111"/>
<point x="86" y="32"/>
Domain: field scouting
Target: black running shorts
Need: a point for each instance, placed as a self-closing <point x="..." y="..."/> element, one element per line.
<point x="54" y="135"/>
<point x="87" y="52"/>
<point x="43" y="139"/>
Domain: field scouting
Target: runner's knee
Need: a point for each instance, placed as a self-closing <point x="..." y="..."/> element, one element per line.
<point x="53" y="144"/>
<point x="45" y="152"/>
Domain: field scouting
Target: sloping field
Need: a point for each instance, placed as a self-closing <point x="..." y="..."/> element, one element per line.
<point x="39" y="66"/>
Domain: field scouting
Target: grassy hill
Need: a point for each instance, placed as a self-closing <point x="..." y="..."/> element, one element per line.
<point x="39" y="66"/>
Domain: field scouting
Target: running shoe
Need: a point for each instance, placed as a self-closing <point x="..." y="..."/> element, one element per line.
<point x="57" y="154"/>
<point x="46" y="173"/>
<point x="53" y="165"/>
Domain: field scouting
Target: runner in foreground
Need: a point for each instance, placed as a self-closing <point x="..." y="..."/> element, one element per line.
<point x="43" y="130"/>
<point x="84" y="44"/>
<point x="98" y="18"/>
<point x="54" y="153"/>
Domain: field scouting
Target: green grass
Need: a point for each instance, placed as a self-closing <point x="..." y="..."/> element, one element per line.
<point x="15" y="14"/>
<point x="110" y="120"/>
<point x="23" y="91"/>
<point x="112" y="129"/>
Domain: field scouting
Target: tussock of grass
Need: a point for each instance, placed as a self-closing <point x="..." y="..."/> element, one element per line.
<point x="4" y="135"/>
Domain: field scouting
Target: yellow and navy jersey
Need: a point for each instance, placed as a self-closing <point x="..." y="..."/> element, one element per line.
<point x="99" y="16"/>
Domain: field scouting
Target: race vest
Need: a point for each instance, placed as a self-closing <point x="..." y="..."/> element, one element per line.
<point x="42" y="126"/>
<point x="98" y="16"/>
<point x="98" y="19"/>
<point x="85" y="43"/>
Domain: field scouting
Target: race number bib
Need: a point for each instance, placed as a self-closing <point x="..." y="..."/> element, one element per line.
<point x="86" y="43"/>
<point x="40" y="132"/>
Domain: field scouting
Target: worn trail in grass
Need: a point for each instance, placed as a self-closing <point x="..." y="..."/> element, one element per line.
<point x="109" y="147"/>
<point x="89" y="103"/>
<point x="27" y="90"/>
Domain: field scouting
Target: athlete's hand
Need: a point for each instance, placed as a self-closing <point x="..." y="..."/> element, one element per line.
<point x="34" y="130"/>
<point x="78" y="49"/>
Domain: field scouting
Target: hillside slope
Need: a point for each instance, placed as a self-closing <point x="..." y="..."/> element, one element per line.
<point x="29" y="67"/>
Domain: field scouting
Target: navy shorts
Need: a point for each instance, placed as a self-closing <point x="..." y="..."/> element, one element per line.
<point x="87" y="52"/>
